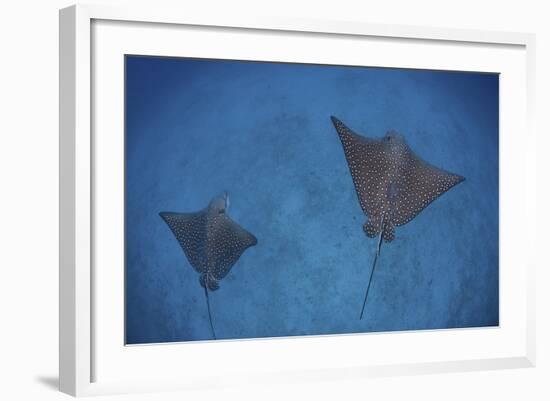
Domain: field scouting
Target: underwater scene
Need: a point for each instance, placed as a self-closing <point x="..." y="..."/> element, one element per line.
<point x="276" y="199"/>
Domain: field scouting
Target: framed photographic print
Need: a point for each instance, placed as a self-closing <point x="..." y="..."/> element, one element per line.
<point x="312" y="199"/>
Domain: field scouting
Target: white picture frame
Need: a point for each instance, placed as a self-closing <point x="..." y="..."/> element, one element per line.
<point x="82" y="344"/>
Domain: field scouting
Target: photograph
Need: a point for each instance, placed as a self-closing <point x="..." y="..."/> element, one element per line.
<point x="281" y="200"/>
<point x="275" y="199"/>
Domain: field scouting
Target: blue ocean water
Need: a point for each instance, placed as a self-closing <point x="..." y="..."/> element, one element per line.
<point x="262" y="132"/>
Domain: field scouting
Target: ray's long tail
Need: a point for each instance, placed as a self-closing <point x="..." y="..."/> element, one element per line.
<point x="371" y="273"/>
<point x="209" y="313"/>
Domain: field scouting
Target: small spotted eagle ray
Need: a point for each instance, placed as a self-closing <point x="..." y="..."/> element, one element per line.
<point x="392" y="183"/>
<point x="211" y="241"/>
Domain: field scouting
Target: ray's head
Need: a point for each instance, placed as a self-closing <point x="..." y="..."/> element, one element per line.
<point x="220" y="204"/>
<point x="394" y="142"/>
<point x="393" y="137"/>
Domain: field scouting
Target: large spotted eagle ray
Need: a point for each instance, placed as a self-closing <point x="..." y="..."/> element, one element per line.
<point x="392" y="183"/>
<point x="211" y="241"/>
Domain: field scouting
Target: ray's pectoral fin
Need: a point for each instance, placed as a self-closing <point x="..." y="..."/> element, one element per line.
<point x="209" y="282"/>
